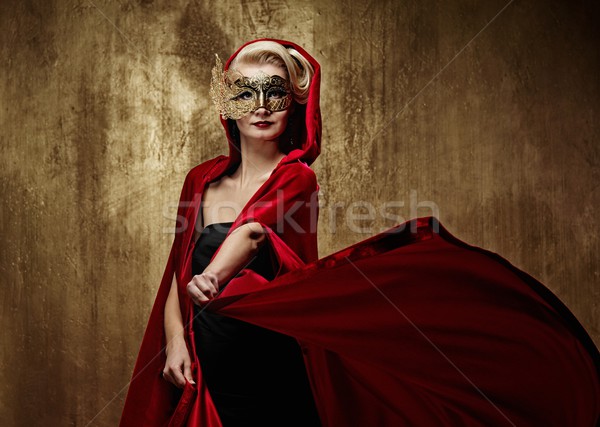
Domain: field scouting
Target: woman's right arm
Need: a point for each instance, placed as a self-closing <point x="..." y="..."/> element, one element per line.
<point x="178" y="365"/>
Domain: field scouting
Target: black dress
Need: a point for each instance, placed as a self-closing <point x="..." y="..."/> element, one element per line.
<point x="255" y="376"/>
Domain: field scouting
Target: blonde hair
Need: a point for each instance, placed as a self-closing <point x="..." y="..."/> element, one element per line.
<point x="298" y="69"/>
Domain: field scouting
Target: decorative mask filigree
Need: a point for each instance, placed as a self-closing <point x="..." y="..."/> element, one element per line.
<point x="236" y="95"/>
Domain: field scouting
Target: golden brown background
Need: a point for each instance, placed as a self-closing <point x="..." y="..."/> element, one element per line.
<point x="488" y="109"/>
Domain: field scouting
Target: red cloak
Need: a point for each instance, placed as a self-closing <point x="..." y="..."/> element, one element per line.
<point x="409" y="327"/>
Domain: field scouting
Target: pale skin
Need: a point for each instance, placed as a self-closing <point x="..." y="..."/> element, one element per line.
<point x="223" y="201"/>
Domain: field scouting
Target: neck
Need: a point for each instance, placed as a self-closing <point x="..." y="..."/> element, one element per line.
<point x="259" y="158"/>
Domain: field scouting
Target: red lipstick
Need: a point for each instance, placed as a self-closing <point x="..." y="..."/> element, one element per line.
<point x="262" y="124"/>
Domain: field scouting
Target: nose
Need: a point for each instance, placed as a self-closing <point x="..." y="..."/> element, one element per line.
<point x="262" y="100"/>
<point x="261" y="108"/>
<point x="261" y="103"/>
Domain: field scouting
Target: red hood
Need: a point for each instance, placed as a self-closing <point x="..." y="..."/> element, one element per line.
<point x="308" y="138"/>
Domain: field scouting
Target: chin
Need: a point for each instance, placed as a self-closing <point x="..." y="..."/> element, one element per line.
<point x="267" y="135"/>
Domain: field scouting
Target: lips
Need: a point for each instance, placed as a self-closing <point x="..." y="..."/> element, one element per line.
<point x="262" y="124"/>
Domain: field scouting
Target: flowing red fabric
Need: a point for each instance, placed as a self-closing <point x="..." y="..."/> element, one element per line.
<point x="410" y="327"/>
<point x="415" y="328"/>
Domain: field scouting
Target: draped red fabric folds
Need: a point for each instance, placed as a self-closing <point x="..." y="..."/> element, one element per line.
<point x="410" y="327"/>
<point x="415" y="328"/>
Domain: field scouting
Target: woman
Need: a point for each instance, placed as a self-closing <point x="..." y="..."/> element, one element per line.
<point x="254" y="376"/>
<point x="410" y="327"/>
<point x="255" y="211"/>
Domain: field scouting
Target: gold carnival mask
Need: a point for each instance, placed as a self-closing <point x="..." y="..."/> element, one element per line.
<point x="236" y="95"/>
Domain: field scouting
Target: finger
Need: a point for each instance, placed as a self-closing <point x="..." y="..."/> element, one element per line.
<point x="205" y="284"/>
<point x="177" y="375"/>
<point x="187" y="372"/>
<point x="194" y="291"/>
<point x="195" y="294"/>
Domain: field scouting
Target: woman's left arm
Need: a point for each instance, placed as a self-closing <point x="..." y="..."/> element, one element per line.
<point x="235" y="252"/>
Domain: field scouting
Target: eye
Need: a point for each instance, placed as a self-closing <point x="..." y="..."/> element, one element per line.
<point x="276" y="93"/>
<point x="244" y="96"/>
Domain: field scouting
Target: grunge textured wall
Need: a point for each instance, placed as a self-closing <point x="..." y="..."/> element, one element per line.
<point x="485" y="111"/>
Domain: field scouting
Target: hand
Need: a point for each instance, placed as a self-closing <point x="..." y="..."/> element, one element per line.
<point x="178" y="365"/>
<point x="203" y="287"/>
